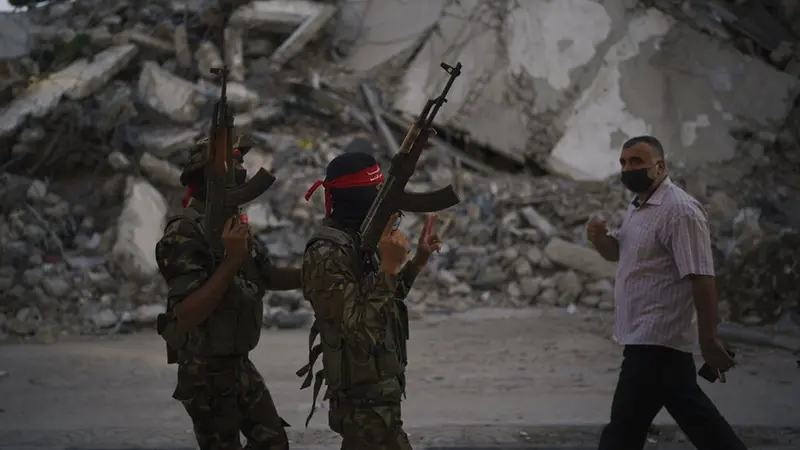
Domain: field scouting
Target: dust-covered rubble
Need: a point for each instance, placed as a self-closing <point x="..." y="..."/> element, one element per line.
<point x="97" y="117"/>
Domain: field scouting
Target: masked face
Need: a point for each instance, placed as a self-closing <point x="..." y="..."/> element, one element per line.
<point x="638" y="180"/>
<point x="641" y="167"/>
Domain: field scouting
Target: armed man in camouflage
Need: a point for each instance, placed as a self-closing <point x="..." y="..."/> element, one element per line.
<point x="359" y="309"/>
<point x="213" y="320"/>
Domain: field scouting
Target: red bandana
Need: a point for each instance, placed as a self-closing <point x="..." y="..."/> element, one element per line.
<point x="371" y="176"/>
<point x="237" y="154"/>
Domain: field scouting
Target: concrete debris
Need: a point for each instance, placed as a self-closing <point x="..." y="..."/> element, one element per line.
<point x="95" y="128"/>
<point x="172" y="96"/>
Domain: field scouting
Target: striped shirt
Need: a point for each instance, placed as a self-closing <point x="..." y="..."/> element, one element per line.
<point x="661" y="243"/>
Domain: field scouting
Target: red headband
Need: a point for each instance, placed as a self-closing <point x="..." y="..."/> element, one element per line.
<point x="190" y="189"/>
<point x="371" y="176"/>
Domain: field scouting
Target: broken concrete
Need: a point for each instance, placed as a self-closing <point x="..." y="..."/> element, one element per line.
<point x="280" y="16"/>
<point x="104" y="66"/>
<point x="521" y="66"/>
<point x="77" y="81"/>
<point x="163" y="141"/>
<point x="160" y="171"/>
<point x="239" y="96"/>
<point x="176" y="98"/>
<point x="371" y="33"/>
<point x="628" y="72"/>
<point x="583" y="259"/>
<point x="140" y="226"/>
<point x="305" y="33"/>
<point x="666" y="79"/>
<point x="208" y="57"/>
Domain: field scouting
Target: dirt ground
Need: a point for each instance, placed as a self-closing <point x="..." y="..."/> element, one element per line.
<point x="482" y="377"/>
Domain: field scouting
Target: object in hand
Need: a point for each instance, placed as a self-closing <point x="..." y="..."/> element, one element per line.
<point x="712" y="375"/>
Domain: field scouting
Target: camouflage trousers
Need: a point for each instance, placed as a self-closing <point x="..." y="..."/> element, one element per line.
<point x="225" y="397"/>
<point x="373" y="425"/>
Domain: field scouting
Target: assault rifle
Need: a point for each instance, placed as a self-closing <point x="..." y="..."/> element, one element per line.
<point x="392" y="196"/>
<point x="223" y="196"/>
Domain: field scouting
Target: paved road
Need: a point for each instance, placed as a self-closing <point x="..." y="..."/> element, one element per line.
<point x="480" y="378"/>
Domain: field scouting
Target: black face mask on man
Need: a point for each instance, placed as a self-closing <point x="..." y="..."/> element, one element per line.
<point x="637" y="180"/>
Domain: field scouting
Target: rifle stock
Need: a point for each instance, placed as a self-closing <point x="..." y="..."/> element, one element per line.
<point x="392" y="196"/>
<point x="223" y="196"/>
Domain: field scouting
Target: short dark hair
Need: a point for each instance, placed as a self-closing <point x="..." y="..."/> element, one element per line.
<point x="654" y="143"/>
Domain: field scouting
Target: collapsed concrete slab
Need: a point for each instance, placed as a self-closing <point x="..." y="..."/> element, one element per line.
<point x="160" y="170"/>
<point x="140" y="226"/>
<point x="372" y="33"/>
<point x="522" y="63"/>
<point x="282" y="16"/>
<point x="164" y="141"/>
<point x="666" y="79"/>
<point x="104" y="66"/>
<point x="303" y="19"/>
<point x="582" y="259"/>
<point x="77" y="81"/>
<point x="570" y="95"/>
<point x="240" y="97"/>
<point x="176" y="98"/>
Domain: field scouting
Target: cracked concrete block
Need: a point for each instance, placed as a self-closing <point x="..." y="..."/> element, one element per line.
<point x="279" y="16"/>
<point x="140" y="226"/>
<point x="104" y="66"/>
<point x="208" y="57"/>
<point x="234" y="52"/>
<point x="77" y="81"/>
<point x="160" y="170"/>
<point x="371" y="33"/>
<point x="183" y="53"/>
<point x="519" y="70"/>
<point x="164" y="141"/>
<point x="304" y="34"/>
<point x="240" y="97"/>
<point x="686" y="88"/>
<point x="176" y="98"/>
<point x="577" y="257"/>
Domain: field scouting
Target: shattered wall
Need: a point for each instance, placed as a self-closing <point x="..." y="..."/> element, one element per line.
<point x="567" y="81"/>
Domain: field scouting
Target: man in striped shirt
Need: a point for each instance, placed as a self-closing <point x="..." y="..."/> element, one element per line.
<point x="664" y="286"/>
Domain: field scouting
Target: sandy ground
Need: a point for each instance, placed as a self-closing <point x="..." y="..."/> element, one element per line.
<point x="487" y="376"/>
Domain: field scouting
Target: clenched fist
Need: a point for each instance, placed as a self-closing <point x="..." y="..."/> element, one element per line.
<point x="596" y="229"/>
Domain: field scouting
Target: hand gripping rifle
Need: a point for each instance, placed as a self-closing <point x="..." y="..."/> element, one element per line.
<point x="392" y="196"/>
<point x="223" y="196"/>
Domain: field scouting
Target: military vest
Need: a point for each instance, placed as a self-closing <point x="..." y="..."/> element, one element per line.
<point x="234" y="327"/>
<point x="343" y="372"/>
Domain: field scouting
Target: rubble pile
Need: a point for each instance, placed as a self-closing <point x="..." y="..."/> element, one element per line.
<point x="94" y="125"/>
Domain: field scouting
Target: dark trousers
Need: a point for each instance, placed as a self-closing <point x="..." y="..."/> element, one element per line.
<point x="653" y="377"/>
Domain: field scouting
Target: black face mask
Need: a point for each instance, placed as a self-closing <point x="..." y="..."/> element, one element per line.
<point x="351" y="205"/>
<point x="637" y="180"/>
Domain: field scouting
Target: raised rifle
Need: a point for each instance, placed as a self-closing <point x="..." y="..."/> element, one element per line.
<point x="392" y="196"/>
<point x="223" y="196"/>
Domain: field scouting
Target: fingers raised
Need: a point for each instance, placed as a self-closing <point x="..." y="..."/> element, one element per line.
<point x="430" y="224"/>
<point x="390" y="224"/>
<point x="228" y="224"/>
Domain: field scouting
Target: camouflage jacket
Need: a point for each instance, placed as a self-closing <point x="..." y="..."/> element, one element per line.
<point x="361" y="316"/>
<point x="185" y="263"/>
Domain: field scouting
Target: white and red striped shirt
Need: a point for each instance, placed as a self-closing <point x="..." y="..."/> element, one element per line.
<point x="661" y="243"/>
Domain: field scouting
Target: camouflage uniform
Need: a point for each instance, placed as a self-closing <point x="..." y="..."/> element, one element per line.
<point x="363" y="324"/>
<point x="218" y="385"/>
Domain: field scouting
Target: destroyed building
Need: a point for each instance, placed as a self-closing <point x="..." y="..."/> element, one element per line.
<point x="100" y="100"/>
